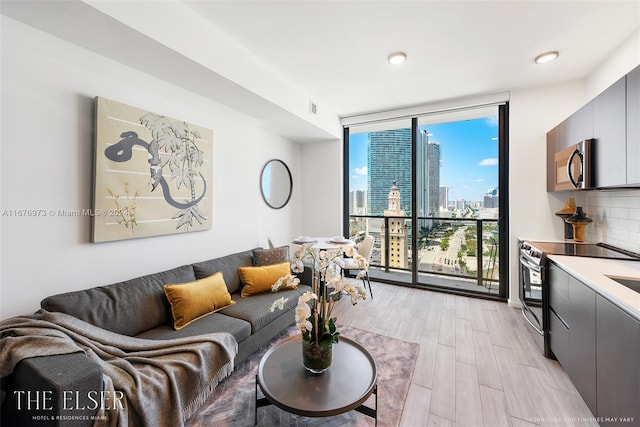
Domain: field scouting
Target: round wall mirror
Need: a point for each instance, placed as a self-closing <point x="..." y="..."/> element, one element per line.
<point x="276" y="183"/>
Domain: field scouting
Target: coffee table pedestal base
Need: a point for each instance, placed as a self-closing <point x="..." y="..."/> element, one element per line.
<point x="370" y="412"/>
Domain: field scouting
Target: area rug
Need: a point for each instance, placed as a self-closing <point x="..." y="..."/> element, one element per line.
<point x="233" y="402"/>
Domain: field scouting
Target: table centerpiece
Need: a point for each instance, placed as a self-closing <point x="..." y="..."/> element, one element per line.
<point x="314" y="308"/>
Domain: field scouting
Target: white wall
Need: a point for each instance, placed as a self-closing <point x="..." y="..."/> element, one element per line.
<point x="322" y="191"/>
<point x="531" y="208"/>
<point x="48" y="88"/>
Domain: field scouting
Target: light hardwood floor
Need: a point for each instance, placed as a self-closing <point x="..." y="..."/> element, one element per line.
<point x="477" y="365"/>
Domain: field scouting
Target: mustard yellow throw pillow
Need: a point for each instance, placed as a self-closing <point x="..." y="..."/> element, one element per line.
<point x="194" y="300"/>
<point x="257" y="280"/>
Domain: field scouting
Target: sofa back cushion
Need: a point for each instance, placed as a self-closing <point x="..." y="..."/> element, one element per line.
<point x="228" y="265"/>
<point x="128" y="308"/>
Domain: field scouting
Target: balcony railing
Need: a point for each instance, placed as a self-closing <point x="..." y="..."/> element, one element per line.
<point x="459" y="253"/>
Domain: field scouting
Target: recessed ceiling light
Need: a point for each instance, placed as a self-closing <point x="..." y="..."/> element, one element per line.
<point x="397" y="58"/>
<point x="546" y="57"/>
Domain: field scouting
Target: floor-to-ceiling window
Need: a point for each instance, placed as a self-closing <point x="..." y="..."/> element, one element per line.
<point x="431" y="189"/>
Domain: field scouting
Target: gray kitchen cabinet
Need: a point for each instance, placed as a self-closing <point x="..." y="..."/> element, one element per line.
<point x="609" y="131"/>
<point x="598" y="345"/>
<point x="559" y="316"/>
<point x="573" y="331"/>
<point x="618" y="369"/>
<point x="633" y="127"/>
<point x="577" y="127"/>
<point x="582" y="341"/>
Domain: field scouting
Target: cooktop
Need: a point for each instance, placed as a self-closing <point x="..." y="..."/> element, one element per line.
<point x="592" y="250"/>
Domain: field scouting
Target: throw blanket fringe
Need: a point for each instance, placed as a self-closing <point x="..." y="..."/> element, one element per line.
<point x="192" y="407"/>
<point x="163" y="381"/>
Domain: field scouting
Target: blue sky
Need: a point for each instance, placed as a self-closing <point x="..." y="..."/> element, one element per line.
<point x="469" y="151"/>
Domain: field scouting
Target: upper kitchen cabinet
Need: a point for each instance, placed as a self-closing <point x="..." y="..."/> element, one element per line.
<point x="609" y="130"/>
<point x="633" y="127"/>
<point x="578" y="127"/>
<point x="612" y="120"/>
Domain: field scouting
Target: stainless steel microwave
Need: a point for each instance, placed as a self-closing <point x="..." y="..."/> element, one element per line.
<point x="573" y="167"/>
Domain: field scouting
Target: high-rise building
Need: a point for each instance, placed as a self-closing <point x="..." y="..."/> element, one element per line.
<point x="388" y="160"/>
<point x="491" y="198"/>
<point x="444" y="197"/>
<point x="398" y="239"/>
<point x="428" y="179"/>
<point x="358" y="202"/>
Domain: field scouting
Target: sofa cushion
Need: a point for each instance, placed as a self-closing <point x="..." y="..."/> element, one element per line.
<point x="270" y="256"/>
<point x="194" y="300"/>
<point x="257" y="280"/>
<point x="128" y="308"/>
<point x="255" y="309"/>
<point x="215" y="322"/>
<point x="228" y="265"/>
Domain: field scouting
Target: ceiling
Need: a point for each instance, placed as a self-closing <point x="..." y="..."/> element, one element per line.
<point x="337" y="51"/>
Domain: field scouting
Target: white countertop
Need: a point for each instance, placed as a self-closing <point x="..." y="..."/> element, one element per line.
<point x="594" y="271"/>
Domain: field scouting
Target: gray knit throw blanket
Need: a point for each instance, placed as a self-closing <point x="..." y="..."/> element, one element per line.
<point x="163" y="381"/>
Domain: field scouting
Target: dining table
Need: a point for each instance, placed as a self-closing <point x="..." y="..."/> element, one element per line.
<point x="321" y="243"/>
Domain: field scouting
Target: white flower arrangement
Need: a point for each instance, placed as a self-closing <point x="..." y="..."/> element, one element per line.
<point x="314" y="308"/>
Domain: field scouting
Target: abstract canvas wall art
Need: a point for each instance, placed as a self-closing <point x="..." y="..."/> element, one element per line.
<point x="153" y="174"/>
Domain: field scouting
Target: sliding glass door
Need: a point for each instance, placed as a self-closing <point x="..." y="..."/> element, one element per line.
<point x="444" y="173"/>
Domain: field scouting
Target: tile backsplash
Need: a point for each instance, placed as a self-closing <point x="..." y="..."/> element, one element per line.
<point x="616" y="217"/>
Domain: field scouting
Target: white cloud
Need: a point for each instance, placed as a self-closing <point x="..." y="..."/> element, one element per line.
<point x="360" y="171"/>
<point x="492" y="121"/>
<point x="488" y="162"/>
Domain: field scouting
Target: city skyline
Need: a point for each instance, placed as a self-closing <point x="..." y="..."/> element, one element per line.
<point x="469" y="157"/>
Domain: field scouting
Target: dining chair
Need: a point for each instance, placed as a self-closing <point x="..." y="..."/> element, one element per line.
<point x="365" y="248"/>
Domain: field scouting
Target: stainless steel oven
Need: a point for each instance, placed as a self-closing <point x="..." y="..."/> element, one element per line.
<point x="534" y="286"/>
<point x="533" y="295"/>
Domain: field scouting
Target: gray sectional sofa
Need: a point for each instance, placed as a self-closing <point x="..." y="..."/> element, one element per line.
<point x="139" y="308"/>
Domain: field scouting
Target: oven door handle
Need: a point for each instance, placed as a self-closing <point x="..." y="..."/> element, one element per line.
<point x="526" y="310"/>
<point x="529" y="264"/>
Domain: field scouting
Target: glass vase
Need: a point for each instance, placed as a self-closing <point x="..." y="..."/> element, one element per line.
<point x="316" y="358"/>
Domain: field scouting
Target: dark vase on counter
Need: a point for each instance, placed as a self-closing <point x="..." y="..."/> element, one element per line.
<point x="578" y="221"/>
<point x="567" y="210"/>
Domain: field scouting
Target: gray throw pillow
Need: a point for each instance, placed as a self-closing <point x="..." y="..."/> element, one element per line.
<point x="263" y="257"/>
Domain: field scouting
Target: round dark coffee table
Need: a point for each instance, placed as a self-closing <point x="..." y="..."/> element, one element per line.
<point x="347" y="384"/>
